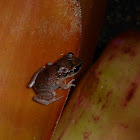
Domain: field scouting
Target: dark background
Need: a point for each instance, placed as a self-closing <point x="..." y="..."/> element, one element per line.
<point x="120" y="15"/>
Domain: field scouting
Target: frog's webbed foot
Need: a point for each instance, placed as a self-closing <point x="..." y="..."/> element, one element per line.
<point x="66" y="86"/>
<point x="32" y="81"/>
<point x="45" y="99"/>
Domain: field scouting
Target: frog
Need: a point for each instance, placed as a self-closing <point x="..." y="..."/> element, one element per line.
<point x="53" y="76"/>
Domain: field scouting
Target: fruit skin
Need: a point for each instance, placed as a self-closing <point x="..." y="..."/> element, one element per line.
<point x="105" y="104"/>
<point x="33" y="33"/>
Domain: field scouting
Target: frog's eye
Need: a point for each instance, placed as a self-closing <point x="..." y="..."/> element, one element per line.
<point x="70" y="55"/>
<point x="76" y="69"/>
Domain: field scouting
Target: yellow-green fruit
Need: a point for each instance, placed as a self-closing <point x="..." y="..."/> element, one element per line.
<point x="106" y="104"/>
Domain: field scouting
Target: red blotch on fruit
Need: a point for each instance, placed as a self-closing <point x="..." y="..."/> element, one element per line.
<point x="107" y="99"/>
<point x="129" y="50"/>
<point x="96" y="118"/>
<point x="124" y="125"/>
<point x="86" y="135"/>
<point x="111" y="57"/>
<point x="130" y="94"/>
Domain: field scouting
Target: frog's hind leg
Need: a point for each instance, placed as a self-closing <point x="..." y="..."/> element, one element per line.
<point x="32" y="81"/>
<point x="45" y="99"/>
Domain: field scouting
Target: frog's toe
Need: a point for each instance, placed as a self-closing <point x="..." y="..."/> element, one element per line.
<point x="30" y="85"/>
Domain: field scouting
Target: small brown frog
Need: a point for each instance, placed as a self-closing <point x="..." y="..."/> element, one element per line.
<point x="52" y="76"/>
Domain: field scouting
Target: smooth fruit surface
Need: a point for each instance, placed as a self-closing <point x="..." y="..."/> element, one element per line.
<point x="32" y="33"/>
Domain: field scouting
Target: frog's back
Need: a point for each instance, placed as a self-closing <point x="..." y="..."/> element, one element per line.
<point x="45" y="81"/>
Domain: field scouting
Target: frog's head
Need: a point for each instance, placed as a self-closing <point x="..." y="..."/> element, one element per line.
<point x="69" y="65"/>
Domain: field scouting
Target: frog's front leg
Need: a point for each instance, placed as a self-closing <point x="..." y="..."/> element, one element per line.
<point x="64" y="85"/>
<point x="45" y="99"/>
<point x="31" y="83"/>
